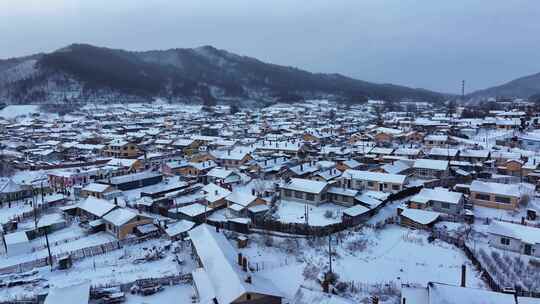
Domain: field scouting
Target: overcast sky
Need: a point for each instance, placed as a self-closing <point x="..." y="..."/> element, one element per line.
<point x="430" y="44"/>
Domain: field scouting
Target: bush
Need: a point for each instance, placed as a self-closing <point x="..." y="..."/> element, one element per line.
<point x="311" y="272"/>
<point x="328" y="214"/>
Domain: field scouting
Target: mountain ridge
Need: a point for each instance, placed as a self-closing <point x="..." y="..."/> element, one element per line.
<point x="83" y="72"/>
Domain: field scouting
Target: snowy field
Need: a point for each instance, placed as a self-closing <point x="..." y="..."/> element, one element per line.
<point x="393" y="255"/>
<point x="15" y="111"/>
<point x="293" y="212"/>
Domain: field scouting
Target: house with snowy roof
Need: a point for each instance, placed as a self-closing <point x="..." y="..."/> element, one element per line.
<point x="514" y="237"/>
<point x="224" y="275"/>
<point x="239" y="202"/>
<point x="12" y="191"/>
<point x="223" y="176"/>
<point x="431" y="169"/>
<point x="495" y="195"/>
<point x="96" y="189"/>
<point x="119" y="148"/>
<point x="376" y="181"/>
<point x="305" y="191"/>
<point x="439" y="293"/>
<point x="121" y="222"/>
<point x="434" y="140"/>
<point x="235" y="157"/>
<point x="438" y="199"/>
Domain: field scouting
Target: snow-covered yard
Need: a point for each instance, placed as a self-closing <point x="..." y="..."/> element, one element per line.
<point x="322" y="215"/>
<point x="394" y="255"/>
<point x="116" y="267"/>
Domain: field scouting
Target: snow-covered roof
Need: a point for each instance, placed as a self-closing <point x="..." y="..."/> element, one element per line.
<point x="305" y="185"/>
<point x="307" y="296"/>
<point x="73" y="294"/>
<point x="96" y="187"/>
<point x="374" y="176"/>
<point x="226" y="277"/>
<point x="446" y="294"/>
<point x="495" y="188"/>
<point x="241" y="198"/>
<point x="179" y="227"/>
<point x="356" y="210"/>
<point x="214" y="192"/>
<point x="526" y="234"/>
<point x="96" y="206"/>
<point x="16" y="238"/>
<point x="119" y="216"/>
<point x="431" y="164"/>
<point x="423" y="217"/>
<point x="438" y="194"/>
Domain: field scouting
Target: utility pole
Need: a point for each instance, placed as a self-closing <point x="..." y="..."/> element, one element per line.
<point x="330" y="252"/>
<point x="48" y="248"/>
<point x="462" y="90"/>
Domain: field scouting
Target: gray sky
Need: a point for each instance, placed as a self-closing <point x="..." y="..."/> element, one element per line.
<point x="429" y="43"/>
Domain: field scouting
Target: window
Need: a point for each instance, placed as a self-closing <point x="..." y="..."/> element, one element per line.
<point x="385" y="185"/>
<point x="503" y="200"/>
<point x="310" y="196"/>
<point x="395" y="187"/>
<point x="298" y="194"/>
<point x="248" y="296"/>
<point x="287" y="193"/>
<point x="480" y="196"/>
<point x="445" y="205"/>
<point x="359" y="184"/>
<point x="370" y="184"/>
<point x="505" y="241"/>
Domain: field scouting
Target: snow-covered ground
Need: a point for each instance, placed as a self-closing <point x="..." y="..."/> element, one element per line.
<point x="14" y="111"/>
<point x="393" y="255"/>
<point x="170" y="295"/>
<point x="322" y="215"/>
<point x="116" y="267"/>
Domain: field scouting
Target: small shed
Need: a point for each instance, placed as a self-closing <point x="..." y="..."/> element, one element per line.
<point x="73" y="294"/>
<point x="417" y="218"/>
<point x="179" y="230"/>
<point x="17" y="243"/>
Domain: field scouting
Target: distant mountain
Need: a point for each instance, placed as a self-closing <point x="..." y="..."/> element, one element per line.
<point x="523" y="87"/>
<point x="83" y="72"/>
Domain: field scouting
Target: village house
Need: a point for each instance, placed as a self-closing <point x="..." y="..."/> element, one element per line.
<point x="366" y="180"/>
<point x="431" y="169"/>
<point x="431" y="141"/>
<point x="304" y="191"/>
<point x="121" y="149"/>
<point x="514" y="237"/>
<point x="438" y="199"/>
<point x="224" y="275"/>
<point x="96" y="190"/>
<point x="495" y="195"/>
<point x="121" y="222"/>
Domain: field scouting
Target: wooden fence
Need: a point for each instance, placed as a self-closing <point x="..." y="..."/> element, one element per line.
<point x="75" y="254"/>
<point x="485" y="275"/>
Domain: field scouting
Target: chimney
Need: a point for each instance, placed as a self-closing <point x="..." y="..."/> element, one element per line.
<point x="217" y="229"/>
<point x="239" y="259"/>
<point x="523" y="221"/>
<point x="302" y="167"/>
<point x="252" y="191"/>
<point x="216" y="192"/>
<point x="244" y="264"/>
<point x="248" y="279"/>
<point x="463" y="275"/>
<point x="404" y="301"/>
<point x="116" y="201"/>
